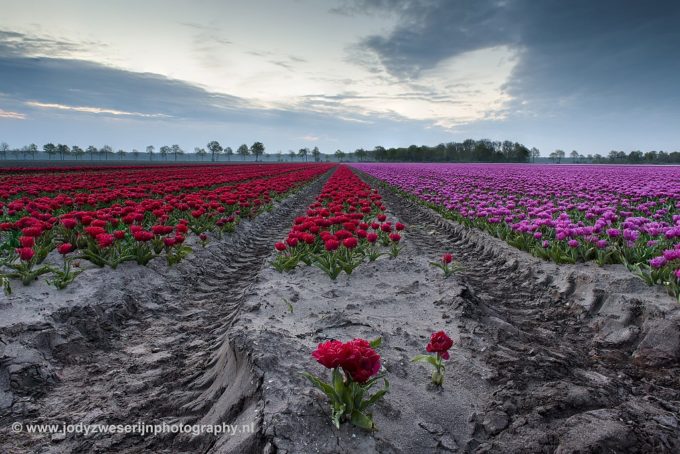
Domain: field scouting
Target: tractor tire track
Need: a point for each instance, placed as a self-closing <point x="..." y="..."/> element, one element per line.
<point x="171" y="360"/>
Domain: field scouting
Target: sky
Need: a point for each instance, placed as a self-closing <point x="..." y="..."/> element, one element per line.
<point x="585" y="75"/>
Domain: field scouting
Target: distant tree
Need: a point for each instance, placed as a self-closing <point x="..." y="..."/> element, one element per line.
<point x="32" y="149"/>
<point x="135" y="153"/>
<point x="121" y="154"/>
<point x="535" y="153"/>
<point x="176" y="150"/>
<point x="291" y="155"/>
<point x="279" y="156"/>
<point x="63" y="150"/>
<point x="574" y="155"/>
<point x="257" y="149"/>
<point x="379" y="153"/>
<point x="243" y="151"/>
<point x="635" y="157"/>
<point x="303" y="153"/>
<point x="316" y="154"/>
<point x="149" y="151"/>
<point x="200" y="152"/>
<point x="360" y="153"/>
<point x="92" y="150"/>
<point x="340" y="155"/>
<point x="560" y="155"/>
<point x="77" y="151"/>
<point x="4" y="146"/>
<point x="163" y="151"/>
<point x="229" y="152"/>
<point x="50" y="149"/>
<point x="215" y="149"/>
<point x="106" y="151"/>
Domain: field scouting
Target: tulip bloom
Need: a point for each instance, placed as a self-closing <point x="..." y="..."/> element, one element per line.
<point x="25" y="253"/>
<point x="359" y="362"/>
<point x="65" y="248"/>
<point x="439" y="344"/>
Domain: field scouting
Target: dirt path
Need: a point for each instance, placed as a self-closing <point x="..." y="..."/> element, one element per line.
<point x="163" y="355"/>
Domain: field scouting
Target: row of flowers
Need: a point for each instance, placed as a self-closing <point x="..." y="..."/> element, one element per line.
<point x="626" y="215"/>
<point x="356" y="369"/>
<point x="121" y="230"/>
<point x="345" y="227"/>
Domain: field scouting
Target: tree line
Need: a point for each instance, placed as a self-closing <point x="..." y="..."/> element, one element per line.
<point x="62" y="151"/>
<point x="617" y="157"/>
<point x="467" y="151"/>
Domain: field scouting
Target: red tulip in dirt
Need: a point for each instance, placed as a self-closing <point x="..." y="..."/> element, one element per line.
<point x="446" y="264"/>
<point x="439" y="344"/>
<point x="356" y="366"/>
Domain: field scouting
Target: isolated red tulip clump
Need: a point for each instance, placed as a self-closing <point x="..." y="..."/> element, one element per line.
<point x="343" y="228"/>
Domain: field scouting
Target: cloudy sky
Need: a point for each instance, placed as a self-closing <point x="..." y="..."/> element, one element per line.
<point x="590" y="75"/>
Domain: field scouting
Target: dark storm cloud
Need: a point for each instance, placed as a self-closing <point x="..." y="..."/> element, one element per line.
<point x="19" y="44"/>
<point x="623" y="52"/>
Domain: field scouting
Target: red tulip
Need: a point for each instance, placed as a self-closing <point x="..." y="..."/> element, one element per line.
<point x="280" y="246"/>
<point x="65" y="248"/>
<point x="350" y="243"/>
<point x="440" y="343"/>
<point x="69" y="223"/>
<point x="105" y="240"/>
<point x="332" y="245"/>
<point x="27" y="241"/>
<point x="25" y="253"/>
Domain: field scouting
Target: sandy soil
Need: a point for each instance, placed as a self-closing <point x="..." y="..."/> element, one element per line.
<point x="547" y="358"/>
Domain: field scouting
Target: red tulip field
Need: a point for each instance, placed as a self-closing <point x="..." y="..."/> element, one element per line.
<point x="340" y="308"/>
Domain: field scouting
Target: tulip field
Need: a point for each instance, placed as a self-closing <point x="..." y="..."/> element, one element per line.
<point x="107" y="216"/>
<point x="363" y="307"/>
<point x="566" y="214"/>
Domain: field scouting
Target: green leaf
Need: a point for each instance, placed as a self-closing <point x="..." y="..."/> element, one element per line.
<point x="375" y="397"/>
<point x="338" y="381"/>
<point x="420" y="358"/>
<point x="375" y="343"/>
<point x="337" y="413"/>
<point x="361" y="420"/>
<point x="323" y="386"/>
<point x="429" y="358"/>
